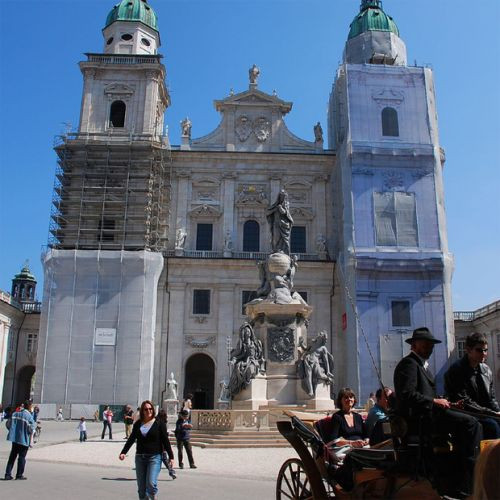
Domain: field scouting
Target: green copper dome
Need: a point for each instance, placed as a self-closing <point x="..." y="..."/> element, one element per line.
<point x="25" y="274"/>
<point x="372" y="18"/>
<point x="133" y="10"/>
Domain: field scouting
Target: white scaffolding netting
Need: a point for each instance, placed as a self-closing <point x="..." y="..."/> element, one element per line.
<point x="96" y="339"/>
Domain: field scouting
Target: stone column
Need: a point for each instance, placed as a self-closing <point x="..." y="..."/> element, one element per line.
<point x="175" y="344"/>
<point x="4" y="345"/>
<point x="319" y="207"/>
<point x="228" y="208"/>
<point x="225" y="328"/>
<point x="182" y="202"/>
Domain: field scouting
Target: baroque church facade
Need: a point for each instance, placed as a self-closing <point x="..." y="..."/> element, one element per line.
<point x="154" y="247"/>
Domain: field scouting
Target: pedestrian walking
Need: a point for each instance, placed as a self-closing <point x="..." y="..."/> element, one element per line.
<point x="162" y="417"/>
<point x="151" y="437"/>
<point x="128" y="419"/>
<point x="107" y="419"/>
<point x="59" y="416"/>
<point x="21" y="426"/>
<point x="82" y="427"/>
<point x="183" y="436"/>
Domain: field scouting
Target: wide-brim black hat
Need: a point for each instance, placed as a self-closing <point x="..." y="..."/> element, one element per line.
<point x="423" y="333"/>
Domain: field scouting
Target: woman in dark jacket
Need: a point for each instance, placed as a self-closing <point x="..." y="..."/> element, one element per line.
<point x="151" y="437"/>
<point x="346" y="427"/>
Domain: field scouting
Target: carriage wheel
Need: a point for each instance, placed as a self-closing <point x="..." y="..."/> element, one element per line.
<point x="293" y="482"/>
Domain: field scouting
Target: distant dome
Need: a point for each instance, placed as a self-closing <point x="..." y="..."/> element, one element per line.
<point x="25" y="274"/>
<point x="133" y="10"/>
<point x="372" y="18"/>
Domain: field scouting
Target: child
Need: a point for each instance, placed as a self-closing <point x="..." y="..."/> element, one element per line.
<point x="82" y="427"/>
<point x="183" y="435"/>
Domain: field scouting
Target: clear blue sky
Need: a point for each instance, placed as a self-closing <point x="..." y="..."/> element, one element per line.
<point x="208" y="47"/>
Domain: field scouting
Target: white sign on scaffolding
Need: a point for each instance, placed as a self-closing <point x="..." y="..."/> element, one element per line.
<point x="105" y="336"/>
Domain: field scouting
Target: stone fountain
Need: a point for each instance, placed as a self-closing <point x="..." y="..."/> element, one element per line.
<point x="273" y="363"/>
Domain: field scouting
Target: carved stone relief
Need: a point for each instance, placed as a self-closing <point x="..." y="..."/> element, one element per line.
<point x="252" y="194"/>
<point x="393" y="180"/>
<point x="199" y="343"/>
<point x="280" y="344"/>
<point x="388" y="97"/>
<point x="301" y="213"/>
<point x="205" y="211"/>
<point x="244" y="128"/>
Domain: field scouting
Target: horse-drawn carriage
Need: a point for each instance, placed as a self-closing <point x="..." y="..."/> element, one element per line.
<point x="398" y="468"/>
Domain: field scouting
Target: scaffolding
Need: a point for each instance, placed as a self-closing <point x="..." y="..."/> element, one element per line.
<point x="111" y="194"/>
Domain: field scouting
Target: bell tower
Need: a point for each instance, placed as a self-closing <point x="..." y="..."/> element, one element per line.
<point x="124" y="91"/>
<point x="393" y="259"/>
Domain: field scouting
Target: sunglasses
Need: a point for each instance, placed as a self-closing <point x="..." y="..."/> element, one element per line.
<point x="479" y="349"/>
<point x="148" y="409"/>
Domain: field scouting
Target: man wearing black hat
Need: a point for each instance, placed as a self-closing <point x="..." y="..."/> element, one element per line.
<point x="416" y="400"/>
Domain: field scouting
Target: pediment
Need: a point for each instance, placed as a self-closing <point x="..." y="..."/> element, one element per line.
<point x="253" y="98"/>
<point x="205" y="211"/>
<point x="388" y="96"/>
<point x="302" y="213"/>
<point x="118" y="88"/>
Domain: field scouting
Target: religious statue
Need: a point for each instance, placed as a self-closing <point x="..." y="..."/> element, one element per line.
<point x="315" y="363"/>
<point x="280" y="222"/>
<point x="186" y="127"/>
<point x="180" y="238"/>
<point x="171" y="392"/>
<point x="224" y="394"/>
<point x="318" y="133"/>
<point x="228" y="241"/>
<point x="321" y="244"/>
<point x="247" y="360"/>
<point x="253" y="74"/>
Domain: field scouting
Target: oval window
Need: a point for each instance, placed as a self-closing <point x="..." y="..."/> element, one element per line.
<point x="110" y="41"/>
<point x="127" y="36"/>
<point x="145" y="42"/>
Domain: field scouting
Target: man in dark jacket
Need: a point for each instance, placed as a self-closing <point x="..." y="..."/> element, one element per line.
<point x="183" y="436"/>
<point x="470" y="380"/>
<point x="416" y="400"/>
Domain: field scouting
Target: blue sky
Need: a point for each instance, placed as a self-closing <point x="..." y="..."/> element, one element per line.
<point x="208" y="47"/>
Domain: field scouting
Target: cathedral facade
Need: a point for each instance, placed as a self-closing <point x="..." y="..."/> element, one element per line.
<point x="154" y="247"/>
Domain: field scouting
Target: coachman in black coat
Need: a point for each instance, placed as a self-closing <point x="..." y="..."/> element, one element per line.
<point x="416" y="399"/>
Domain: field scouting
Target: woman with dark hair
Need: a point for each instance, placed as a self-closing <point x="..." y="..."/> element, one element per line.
<point x="346" y="427"/>
<point x="162" y="418"/>
<point x="152" y="438"/>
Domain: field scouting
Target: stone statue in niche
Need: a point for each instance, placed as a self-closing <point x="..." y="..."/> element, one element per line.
<point x="280" y="223"/>
<point x="247" y="360"/>
<point x="228" y="241"/>
<point x="180" y="238"/>
<point x="253" y="74"/>
<point x="171" y="392"/>
<point x="318" y="132"/>
<point x="186" y="127"/>
<point x="321" y="247"/>
<point x="315" y="363"/>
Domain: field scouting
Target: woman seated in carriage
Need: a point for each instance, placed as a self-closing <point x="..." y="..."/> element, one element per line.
<point x="345" y="427"/>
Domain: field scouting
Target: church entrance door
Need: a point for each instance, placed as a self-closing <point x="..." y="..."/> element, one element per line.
<point x="200" y="381"/>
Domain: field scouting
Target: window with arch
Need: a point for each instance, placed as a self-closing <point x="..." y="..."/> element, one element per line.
<point x="117" y="114"/>
<point x="390" y="124"/>
<point x="251" y="236"/>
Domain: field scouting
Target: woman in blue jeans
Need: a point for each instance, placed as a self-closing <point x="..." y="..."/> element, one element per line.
<point x="151" y="437"/>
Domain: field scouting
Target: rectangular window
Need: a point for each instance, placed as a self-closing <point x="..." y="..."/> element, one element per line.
<point x="106" y="230"/>
<point x="395" y="219"/>
<point x="204" y="236"/>
<point x="303" y="295"/>
<point x="246" y="296"/>
<point x="460" y="348"/>
<point x="12" y="340"/>
<point x="298" y="239"/>
<point x="400" y="313"/>
<point x="201" y="301"/>
<point x="31" y="342"/>
<point x="498" y="345"/>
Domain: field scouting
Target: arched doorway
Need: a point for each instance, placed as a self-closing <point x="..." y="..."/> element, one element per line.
<point x="24" y="382"/>
<point x="200" y="380"/>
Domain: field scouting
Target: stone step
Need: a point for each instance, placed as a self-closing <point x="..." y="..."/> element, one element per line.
<point x="283" y="444"/>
